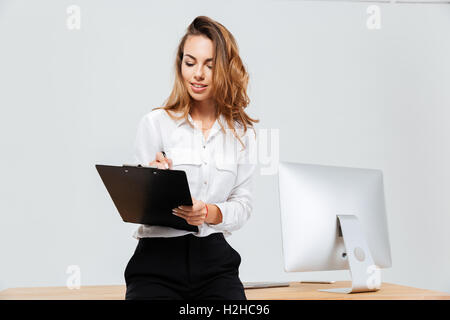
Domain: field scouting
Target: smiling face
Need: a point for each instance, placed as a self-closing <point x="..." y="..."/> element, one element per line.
<point x="197" y="67"/>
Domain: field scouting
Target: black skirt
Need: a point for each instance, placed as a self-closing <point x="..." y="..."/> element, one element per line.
<point x="185" y="267"/>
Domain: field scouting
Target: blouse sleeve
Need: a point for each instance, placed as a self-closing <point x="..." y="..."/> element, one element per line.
<point x="148" y="140"/>
<point x="236" y="210"/>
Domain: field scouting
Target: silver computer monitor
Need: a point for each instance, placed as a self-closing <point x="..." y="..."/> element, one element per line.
<point x="334" y="218"/>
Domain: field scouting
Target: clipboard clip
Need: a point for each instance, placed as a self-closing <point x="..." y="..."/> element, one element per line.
<point x="139" y="166"/>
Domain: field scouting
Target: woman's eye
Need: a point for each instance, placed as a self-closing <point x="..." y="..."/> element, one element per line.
<point x="189" y="64"/>
<point x="210" y="67"/>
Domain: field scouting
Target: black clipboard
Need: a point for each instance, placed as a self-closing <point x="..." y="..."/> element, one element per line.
<point x="147" y="195"/>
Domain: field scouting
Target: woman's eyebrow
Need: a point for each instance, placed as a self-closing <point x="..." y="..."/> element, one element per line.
<point x="191" y="56"/>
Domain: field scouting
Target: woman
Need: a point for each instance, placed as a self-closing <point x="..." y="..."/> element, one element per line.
<point x="199" y="128"/>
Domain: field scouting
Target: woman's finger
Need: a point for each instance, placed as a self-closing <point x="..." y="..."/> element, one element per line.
<point x="187" y="211"/>
<point x="160" y="165"/>
<point x="188" y="214"/>
<point x="157" y="164"/>
<point x="196" y="206"/>
<point x="195" y="222"/>
<point x="160" y="158"/>
<point x="191" y="213"/>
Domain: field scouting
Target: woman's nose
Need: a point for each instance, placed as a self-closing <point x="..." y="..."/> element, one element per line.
<point x="198" y="75"/>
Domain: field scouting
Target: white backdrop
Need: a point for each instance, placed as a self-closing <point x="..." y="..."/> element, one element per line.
<point x="339" y="93"/>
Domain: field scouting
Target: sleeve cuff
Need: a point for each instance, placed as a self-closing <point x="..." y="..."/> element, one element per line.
<point x="234" y="215"/>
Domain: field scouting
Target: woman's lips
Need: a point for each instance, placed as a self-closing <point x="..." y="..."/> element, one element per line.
<point x="197" y="89"/>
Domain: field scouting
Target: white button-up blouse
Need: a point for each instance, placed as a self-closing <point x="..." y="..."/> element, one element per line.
<point x="218" y="170"/>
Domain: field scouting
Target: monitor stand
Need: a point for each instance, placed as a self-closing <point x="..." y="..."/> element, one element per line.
<point x="364" y="273"/>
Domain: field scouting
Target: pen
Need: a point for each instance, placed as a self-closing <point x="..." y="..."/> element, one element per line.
<point x="164" y="154"/>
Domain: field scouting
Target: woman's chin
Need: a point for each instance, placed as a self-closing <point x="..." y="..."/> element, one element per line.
<point x="199" y="97"/>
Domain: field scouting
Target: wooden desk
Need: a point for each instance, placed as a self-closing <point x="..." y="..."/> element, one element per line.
<point x="296" y="291"/>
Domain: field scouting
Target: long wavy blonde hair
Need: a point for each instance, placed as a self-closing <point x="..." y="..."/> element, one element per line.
<point x="230" y="78"/>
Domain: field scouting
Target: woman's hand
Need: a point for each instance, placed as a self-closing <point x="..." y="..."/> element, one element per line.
<point x="161" y="162"/>
<point x="194" y="215"/>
